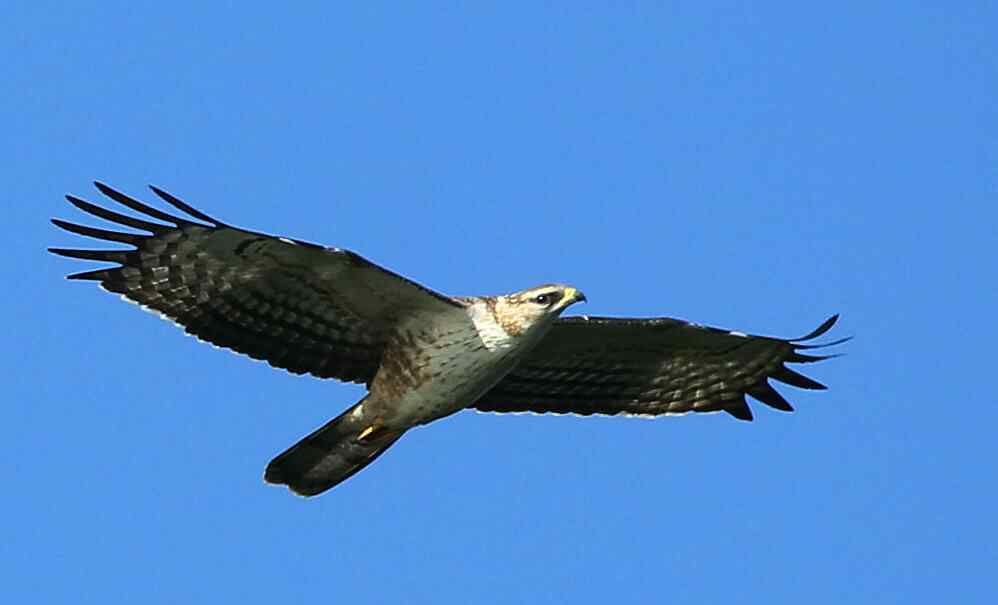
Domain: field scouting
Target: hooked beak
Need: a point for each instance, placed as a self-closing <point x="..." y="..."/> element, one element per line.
<point x="573" y="296"/>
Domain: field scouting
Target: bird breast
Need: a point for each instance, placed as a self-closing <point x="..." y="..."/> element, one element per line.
<point x="431" y="371"/>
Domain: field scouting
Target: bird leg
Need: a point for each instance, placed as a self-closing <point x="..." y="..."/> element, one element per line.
<point x="375" y="432"/>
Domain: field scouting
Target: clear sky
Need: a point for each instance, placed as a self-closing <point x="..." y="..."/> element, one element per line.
<point x="751" y="167"/>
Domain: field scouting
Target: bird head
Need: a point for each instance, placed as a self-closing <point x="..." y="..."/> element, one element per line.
<point x="535" y="307"/>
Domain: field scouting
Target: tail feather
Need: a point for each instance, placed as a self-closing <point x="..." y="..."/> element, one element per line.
<point x="329" y="456"/>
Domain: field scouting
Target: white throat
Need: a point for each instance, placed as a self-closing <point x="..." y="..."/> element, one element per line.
<point x="490" y="332"/>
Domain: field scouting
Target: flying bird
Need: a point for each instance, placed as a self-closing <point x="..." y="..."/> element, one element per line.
<point x="331" y="313"/>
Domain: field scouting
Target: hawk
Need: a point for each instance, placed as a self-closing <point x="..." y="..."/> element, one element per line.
<point x="331" y="313"/>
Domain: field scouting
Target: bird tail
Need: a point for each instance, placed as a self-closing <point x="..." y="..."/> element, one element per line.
<point x="330" y="455"/>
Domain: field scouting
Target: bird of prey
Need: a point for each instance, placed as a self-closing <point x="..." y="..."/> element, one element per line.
<point x="330" y="313"/>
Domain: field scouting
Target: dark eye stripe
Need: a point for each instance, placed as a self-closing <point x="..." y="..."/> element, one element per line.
<point x="548" y="298"/>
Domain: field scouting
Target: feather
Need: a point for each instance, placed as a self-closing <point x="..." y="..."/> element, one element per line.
<point x="138" y="206"/>
<point x="768" y="395"/>
<point x="739" y="409"/>
<point x="111" y="256"/>
<point x="180" y="205"/>
<point x="113" y="236"/>
<point x="824" y="327"/>
<point x="114" y="217"/>
<point x="784" y="374"/>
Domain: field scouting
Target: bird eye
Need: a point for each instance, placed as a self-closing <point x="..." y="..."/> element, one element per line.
<point x="542" y="299"/>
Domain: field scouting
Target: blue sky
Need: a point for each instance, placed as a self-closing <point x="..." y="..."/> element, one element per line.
<point x="756" y="168"/>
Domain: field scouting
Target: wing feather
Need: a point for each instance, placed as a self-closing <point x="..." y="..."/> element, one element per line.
<point x="298" y="306"/>
<point x="652" y="367"/>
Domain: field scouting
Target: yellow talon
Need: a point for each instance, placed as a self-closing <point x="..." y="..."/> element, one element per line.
<point x="366" y="432"/>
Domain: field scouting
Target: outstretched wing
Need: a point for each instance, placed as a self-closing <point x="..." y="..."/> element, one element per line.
<point x="299" y="306"/>
<point x="651" y="367"/>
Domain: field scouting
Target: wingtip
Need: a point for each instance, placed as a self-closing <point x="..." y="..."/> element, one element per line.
<point x="159" y="192"/>
<point x="787" y="376"/>
<point x="764" y="392"/>
<point x="740" y="414"/>
<point x="183" y="206"/>
<point x="102" y="187"/>
<point x="824" y="327"/>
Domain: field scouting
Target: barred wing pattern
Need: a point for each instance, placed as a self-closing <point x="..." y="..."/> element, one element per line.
<point x="650" y="367"/>
<point x="296" y="305"/>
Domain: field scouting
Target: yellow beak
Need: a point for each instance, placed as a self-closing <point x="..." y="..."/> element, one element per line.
<point x="572" y="295"/>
